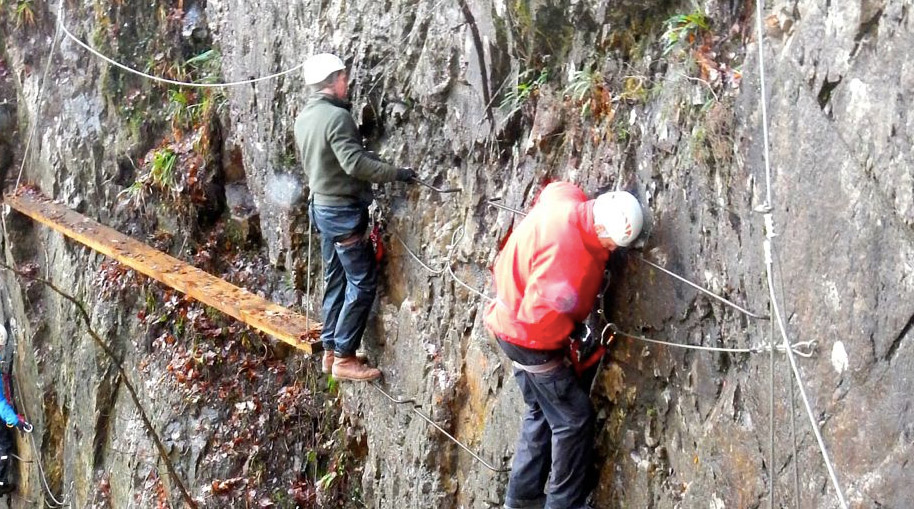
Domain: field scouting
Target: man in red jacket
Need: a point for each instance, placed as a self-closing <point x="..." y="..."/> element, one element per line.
<point x="546" y="279"/>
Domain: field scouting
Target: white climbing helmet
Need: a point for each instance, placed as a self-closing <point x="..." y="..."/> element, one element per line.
<point x="319" y="66"/>
<point x="620" y="215"/>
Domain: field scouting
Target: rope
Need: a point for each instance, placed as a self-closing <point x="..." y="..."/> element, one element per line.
<point x="44" y="479"/>
<point x="308" y="284"/>
<point x="455" y="238"/>
<point x="415" y="408"/>
<point x="793" y="409"/>
<point x="416" y="257"/>
<point x="764" y="100"/>
<point x="703" y="290"/>
<point x="119" y="65"/>
<point x="41" y="87"/>
<point x="796" y="371"/>
<point x="769" y="234"/>
<point x="795" y="348"/>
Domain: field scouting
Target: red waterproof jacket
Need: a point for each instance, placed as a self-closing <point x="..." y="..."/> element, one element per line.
<point x="548" y="275"/>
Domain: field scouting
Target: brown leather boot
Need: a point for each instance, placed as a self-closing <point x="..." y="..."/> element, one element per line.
<point x="327" y="361"/>
<point x="349" y="368"/>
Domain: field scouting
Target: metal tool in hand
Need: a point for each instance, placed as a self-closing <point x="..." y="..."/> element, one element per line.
<point x="437" y="189"/>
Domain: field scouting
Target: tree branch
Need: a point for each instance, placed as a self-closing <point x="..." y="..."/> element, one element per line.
<point x="163" y="454"/>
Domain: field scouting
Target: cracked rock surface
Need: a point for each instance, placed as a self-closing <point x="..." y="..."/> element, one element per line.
<point x="453" y="90"/>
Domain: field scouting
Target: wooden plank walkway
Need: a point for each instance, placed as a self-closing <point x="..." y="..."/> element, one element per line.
<point x="277" y="321"/>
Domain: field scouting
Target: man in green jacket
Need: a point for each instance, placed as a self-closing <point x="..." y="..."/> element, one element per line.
<point x="340" y="174"/>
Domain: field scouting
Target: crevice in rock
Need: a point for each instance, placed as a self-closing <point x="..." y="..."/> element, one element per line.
<point x="867" y="28"/>
<point x="107" y="396"/>
<point x="53" y="441"/>
<point x="893" y="348"/>
<point x="481" y="56"/>
<point x="826" y="90"/>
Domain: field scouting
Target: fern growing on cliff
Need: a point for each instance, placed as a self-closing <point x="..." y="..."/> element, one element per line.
<point x="683" y="27"/>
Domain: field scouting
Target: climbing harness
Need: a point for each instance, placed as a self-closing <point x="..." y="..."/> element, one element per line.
<point x="447" y="190"/>
<point x="584" y="349"/>
<point x="415" y="407"/>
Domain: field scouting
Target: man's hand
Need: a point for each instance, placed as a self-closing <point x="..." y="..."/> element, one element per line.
<point x="405" y="174"/>
<point x="24" y="426"/>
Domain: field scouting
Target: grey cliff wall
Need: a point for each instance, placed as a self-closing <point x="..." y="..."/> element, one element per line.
<point x="439" y="86"/>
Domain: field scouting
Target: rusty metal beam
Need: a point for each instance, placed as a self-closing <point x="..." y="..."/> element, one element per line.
<point x="277" y="321"/>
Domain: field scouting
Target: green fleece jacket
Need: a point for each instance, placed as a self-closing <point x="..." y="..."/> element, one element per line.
<point x="340" y="171"/>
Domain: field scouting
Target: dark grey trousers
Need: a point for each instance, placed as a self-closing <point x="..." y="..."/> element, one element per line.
<point x="552" y="460"/>
<point x="350" y="276"/>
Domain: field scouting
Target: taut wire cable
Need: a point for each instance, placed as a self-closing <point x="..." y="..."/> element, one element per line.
<point x="415" y="408"/>
<point x="38" y="100"/>
<point x="160" y="79"/>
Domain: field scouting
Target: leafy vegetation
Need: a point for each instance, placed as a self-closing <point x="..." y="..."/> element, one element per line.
<point x="25" y="13"/>
<point x="588" y="90"/>
<point x="684" y="28"/>
<point x="271" y="405"/>
<point x="526" y="88"/>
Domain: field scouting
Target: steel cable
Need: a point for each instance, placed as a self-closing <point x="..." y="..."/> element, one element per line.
<point x="131" y="70"/>
<point x="796" y="372"/>
<point x="769" y="235"/>
<point x="795" y="348"/>
<point x="416" y="257"/>
<point x="44" y="479"/>
<point x="415" y="407"/>
<point x="703" y="290"/>
<point x="455" y="238"/>
<point x="771" y="419"/>
<point x="41" y="89"/>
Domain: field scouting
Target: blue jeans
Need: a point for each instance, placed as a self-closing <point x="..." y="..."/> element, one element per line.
<point x="552" y="461"/>
<point x="350" y="275"/>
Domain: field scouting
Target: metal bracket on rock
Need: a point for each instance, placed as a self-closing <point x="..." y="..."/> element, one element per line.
<point x="495" y="203"/>
<point x="437" y="189"/>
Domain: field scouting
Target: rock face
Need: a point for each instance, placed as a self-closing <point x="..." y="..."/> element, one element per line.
<point x="498" y="98"/>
